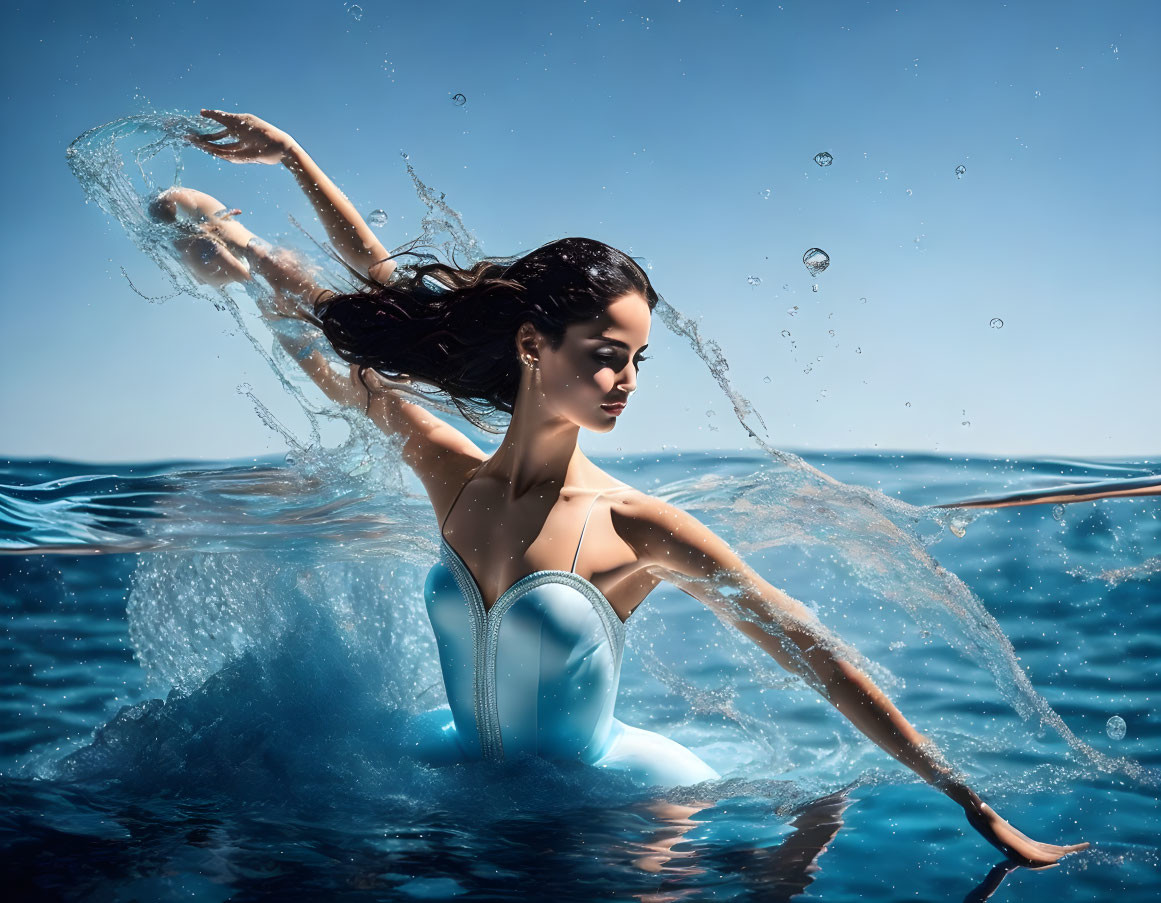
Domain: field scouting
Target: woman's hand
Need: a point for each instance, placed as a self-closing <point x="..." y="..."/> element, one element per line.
<point x="255" y="140"/>
<point x="1012" y="843"/>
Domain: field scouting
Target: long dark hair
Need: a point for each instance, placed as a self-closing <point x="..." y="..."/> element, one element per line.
<point x="455" y="328"/>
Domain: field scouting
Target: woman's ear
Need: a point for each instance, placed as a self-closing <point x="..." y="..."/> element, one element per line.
<point x="527" y="341"/>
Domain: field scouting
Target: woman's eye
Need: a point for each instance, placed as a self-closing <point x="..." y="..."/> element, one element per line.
<point x="611" y="358"/>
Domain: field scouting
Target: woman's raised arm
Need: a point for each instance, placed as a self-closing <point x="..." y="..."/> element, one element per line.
<point x="256" y="141"/>
<point x="682" y="550"/>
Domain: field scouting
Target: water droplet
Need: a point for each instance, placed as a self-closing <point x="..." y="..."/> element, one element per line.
<point x="1058" y="513"/>
<point x="785" y="333"/>
<point x="958" y="526"/>
<point x="831" y="333"/>
<point x="355" y="12"/>
<point x="1113" y="47"/>
<point x="907" y="405"/>
<point x="864" y="300"/>
<point x="859" y="350"/>
<point x="825" y="159"/>
<point x="896" y="646"/>
<point x="754" y="280"/>
<point x="996" y="323"/>
<point x="459" y="100"/>
<point x="710" y="412"/>
<point x="1035" y="93"/>
<point x="816" y="260"/>
<point x="908" y="192"/>
<point x="960" y="170"/>
<point x="792" y="311"/>
<point x="764" y="194"/>
<point x="814" y="288"/>
<point x="765" y="379"/>
<point x="966" y="423"/>
<point x="405" y="155"/>
<point x="377" y="218"/>
<point x="1115" y="727"/>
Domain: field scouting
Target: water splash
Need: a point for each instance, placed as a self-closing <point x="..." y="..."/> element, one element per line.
<point x="880" y="541"/>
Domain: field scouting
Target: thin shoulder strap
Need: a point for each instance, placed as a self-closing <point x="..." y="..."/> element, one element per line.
<point x="582" y="533"/>
<point x="586" y="523"/>
<point x="453" y="504"/>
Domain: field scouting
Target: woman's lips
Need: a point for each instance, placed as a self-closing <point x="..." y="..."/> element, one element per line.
<point x="616" y="408"/>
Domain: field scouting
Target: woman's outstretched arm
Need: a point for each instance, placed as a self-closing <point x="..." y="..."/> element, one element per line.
<point x="253" y="140"/>
<point x="688" y="554"/>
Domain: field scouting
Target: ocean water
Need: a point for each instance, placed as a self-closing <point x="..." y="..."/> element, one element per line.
<point x="209" y="673"/>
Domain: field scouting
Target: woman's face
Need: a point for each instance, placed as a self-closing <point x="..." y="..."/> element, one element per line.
<point x="596" y="364"/>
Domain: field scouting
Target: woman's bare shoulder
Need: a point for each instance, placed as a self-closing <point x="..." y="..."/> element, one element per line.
<point x="662" y="533"/>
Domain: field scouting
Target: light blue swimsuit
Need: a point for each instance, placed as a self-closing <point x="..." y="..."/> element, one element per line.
<point x="538" y="674"/>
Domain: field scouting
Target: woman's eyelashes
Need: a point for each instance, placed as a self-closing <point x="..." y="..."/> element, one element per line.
<point x="614" y="360"/>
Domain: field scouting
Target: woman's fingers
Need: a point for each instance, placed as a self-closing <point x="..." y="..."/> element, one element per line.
<point x="206" y="142"/>
<point x="222" y="116"/>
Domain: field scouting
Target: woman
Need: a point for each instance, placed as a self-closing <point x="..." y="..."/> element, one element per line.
<point x="543" y="555"/>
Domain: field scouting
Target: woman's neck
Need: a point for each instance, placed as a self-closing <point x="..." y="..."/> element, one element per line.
<point x="538" y="452"/>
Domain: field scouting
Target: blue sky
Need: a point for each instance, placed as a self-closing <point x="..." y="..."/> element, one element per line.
<point x="656" y="127"/>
